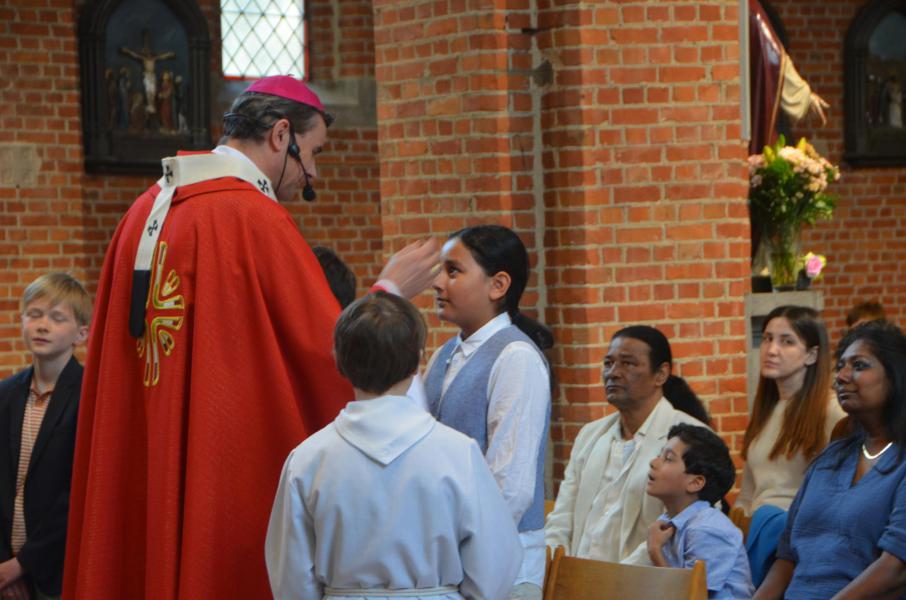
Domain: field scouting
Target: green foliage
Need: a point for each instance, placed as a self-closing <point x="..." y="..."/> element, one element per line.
<point x="788" y="186"/>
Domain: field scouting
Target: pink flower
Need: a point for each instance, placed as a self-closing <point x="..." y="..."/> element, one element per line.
<point x="814" y="263"/>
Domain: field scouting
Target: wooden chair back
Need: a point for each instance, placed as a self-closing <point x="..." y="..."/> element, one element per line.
<point x="582" y="579"/>
<point x="741" y="520"/>
<point x="548" y="558"/>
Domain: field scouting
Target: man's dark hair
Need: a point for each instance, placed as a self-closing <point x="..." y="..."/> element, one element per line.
<point x="675" y="389"/>
<point x="706" y="455"/>
<point x="340" y="277"/>
<point x="253" y="114"/>
<point x="378" y="341"/>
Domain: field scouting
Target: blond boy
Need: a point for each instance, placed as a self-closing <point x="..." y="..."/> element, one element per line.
<point x="39" y="408"/>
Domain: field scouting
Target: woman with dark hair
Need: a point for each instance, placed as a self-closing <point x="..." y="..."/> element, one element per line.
<point x="846" y="532"/>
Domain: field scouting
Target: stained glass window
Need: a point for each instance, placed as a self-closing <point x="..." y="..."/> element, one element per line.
<point x="263" y="37"/>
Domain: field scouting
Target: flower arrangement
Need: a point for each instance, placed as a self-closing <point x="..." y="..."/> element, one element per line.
<point x="788" y="189"/>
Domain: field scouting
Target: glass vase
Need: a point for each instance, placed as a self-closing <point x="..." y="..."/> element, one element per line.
<point x="784" y="247"/>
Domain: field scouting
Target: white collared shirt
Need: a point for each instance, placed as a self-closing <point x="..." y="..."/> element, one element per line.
<point x="518" y="399"/>
<point x="602" y="532"/>
<point x="225" y="150"/>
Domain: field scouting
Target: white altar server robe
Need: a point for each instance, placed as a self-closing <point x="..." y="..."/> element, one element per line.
<point x="387" y="498"/>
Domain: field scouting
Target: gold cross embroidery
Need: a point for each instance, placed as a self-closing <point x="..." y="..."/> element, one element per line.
<point x="159" y="332"/>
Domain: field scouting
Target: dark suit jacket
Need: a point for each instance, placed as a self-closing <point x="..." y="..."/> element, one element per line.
<point x="49" y="474"/>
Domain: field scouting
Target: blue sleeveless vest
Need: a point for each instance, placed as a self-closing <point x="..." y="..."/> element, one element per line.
<point x="464" y="406"/>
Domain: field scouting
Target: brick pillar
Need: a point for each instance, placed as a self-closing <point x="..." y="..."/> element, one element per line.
<point x="645" y="191"/>
<point x="454" y="122"/>
<point x="611" y="131"/>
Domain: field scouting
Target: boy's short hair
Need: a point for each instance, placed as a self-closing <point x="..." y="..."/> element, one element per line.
<point x="339" y="276"/>
<point x="378" y="341"/>
<point x="60" y="288"/>
<point x="706" y="455"/>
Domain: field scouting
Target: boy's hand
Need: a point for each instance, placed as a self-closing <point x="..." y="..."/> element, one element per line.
<point x="10" y="571"/>
<point x="16" y="591"/>
<point x="658" y="534"/>
<point x="12" y="586"/>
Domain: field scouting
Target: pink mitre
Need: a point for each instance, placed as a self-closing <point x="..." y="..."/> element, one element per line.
<point x="287" y="87"/>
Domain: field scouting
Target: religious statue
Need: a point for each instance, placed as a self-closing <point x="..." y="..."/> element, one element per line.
<point x="112" y="98"/>
<point x="137" y="114"/>
<point x="892" y="101"/>
<point x="179" y="105"/>
<point x="149" y="74"/>
<point x="165" y="102"/>
<point x="775" y="82"/>
<point x="775" y="85"/>
<point x="123" y="102"/>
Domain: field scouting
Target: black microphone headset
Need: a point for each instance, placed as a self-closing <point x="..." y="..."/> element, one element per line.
<point x="292" y="149"/>
<point x="308" y="192"/>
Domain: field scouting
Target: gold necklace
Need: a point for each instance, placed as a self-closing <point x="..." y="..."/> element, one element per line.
<point x="870" y="456"/>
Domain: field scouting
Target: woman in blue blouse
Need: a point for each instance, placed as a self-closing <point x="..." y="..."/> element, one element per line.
<point x="846" y="533"/>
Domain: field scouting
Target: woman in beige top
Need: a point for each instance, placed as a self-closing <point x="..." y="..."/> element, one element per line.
<point x="795" y="409"/>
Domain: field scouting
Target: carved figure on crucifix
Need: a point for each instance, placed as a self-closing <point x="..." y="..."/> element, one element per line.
<point x="179" y="105"/>
<point x="149" y="74"/>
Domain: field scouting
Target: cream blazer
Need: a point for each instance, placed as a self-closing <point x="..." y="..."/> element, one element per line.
<point x="581" y="485"/>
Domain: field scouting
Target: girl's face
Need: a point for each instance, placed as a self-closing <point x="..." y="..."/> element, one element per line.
<point x="466" y="295"/>
<point x="861" y="382"/>
<point x="783" y="353"/>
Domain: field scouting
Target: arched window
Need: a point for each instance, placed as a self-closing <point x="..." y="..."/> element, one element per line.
<point x="875" y="79"/>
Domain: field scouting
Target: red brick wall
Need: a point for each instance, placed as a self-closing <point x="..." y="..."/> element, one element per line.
<point x="42" y="219"/>
<point x="454" y="124"/>
<point x="346" y="215"/>
<point x="64" y="219"/>
<point x="606" y="133"/>
<point x="642" y="190"/>
<point x="343" y="36"/>
<point x="865" y="245"/>
<point x="645" y="191"/>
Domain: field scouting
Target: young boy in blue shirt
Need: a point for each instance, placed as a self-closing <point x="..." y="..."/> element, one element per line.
<point x="692" y="473"/>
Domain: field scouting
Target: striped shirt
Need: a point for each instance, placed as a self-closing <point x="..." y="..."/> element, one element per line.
<point x="35" y="407"/>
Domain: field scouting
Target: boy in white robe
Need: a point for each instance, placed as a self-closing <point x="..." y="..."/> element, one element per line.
<point x="385" y="501"/>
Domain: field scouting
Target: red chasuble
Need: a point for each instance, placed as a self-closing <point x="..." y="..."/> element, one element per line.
<point x="183" y="433"/>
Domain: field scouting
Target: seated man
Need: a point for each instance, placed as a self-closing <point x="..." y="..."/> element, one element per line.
<point x="602" y="511"/>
